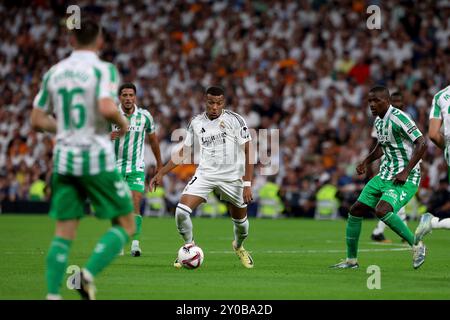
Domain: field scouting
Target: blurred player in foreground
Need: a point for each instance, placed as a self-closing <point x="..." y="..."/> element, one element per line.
<point x="81" y="91"/>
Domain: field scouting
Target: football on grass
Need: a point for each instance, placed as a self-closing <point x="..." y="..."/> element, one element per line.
<point x="190" y="256"/>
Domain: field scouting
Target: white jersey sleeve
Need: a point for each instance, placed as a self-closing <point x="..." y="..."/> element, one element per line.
<point x="189" y="140"/>
<point x="241" y="129"/>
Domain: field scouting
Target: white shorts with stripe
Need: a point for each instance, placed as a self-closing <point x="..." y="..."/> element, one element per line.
<point x="229" y="191"/>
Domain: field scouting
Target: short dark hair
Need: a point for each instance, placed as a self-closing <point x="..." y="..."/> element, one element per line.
<point x="215" y="91"/>
<point x="87" y="33"/>
<point x="380" y="89"/>
<point x="397" y="94"/>
<point x="127" y="85"/>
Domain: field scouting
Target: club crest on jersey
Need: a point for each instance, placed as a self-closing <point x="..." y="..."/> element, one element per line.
<point x="244" y="133"/>
<point x="222" y="126"/>
<point x="382" y="138"/>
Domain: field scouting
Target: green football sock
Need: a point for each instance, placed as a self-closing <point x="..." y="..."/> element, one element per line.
<point x="352" y="235"/>
<point x="57" y="263"/>
<point x="138" y="220"/>
<point x="399" y="227"/>
<point x="107" y="249"/>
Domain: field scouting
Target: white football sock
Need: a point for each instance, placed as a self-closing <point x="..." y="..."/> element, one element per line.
<point x="184" y="222"/>
<point x="440" y="224"/>
<point x="402" y="215"/>
<point x="379" y="228"/>
<point x="240" y="230"/>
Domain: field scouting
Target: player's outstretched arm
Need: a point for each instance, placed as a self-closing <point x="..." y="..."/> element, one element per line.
<point x="434" y="132"/>
<point x="420" y="146"/>
<point x="170" y="165"/>
<point x="41" y="121"/>
<point x="375" y="154"/>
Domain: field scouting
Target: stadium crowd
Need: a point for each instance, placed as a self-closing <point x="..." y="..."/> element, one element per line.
<point x="303" y="67"/>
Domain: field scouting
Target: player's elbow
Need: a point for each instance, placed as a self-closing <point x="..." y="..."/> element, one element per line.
<point x="434" y="136"/>
<point x="36" y="120"/>
<point x="421" y="144"/>
<point x="107" y="108"/>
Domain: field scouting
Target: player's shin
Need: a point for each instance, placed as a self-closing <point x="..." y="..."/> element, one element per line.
<point x="56" y="263"/>
<point x="184" y="222"/>
<point x="353" y="232"/>
<point x="399" y="227"/>
<point x="240" y="230"/>
<point x="107" y="249"/>
<point x="138" y="221"/>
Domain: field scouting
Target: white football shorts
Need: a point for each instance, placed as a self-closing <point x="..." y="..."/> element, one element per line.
<point x="229" y="191"/>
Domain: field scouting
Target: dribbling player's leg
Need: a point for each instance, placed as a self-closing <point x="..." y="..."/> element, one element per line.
<point x="240" y="224"/>
<point x="183" y="212"/>
<point x="240" y="228"/>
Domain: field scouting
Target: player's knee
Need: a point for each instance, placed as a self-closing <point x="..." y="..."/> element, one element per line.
<point x="356" y="210"/>
<point x="381" y="211"/>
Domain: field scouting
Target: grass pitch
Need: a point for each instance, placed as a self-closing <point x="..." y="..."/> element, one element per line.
<point x="292" y="259"/>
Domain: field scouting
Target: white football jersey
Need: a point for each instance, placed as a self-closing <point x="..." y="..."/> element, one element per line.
<point x="221" y="145"/>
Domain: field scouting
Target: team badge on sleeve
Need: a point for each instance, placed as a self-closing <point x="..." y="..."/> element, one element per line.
<point x="245" y="133"/>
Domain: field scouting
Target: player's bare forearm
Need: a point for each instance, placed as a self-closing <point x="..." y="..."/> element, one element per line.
<point x="173" y="163"/>
<point x="375" y="154"/>
<point x="154" y="144"/>
<point x="420" y="146"/>
<point x="439" y="141"/>
<point x="167" y="168"/>
<point x="41" y="121"/>
<point x="110" y="112"/>
<point x="249" y="163"/>
<point x="435" y="134"/>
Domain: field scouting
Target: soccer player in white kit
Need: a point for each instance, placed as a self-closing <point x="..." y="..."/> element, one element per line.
<point x="439" y="121"/>
<point x="225" y="167"/>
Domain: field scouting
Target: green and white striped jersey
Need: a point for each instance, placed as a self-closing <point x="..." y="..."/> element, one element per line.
<point x="129" y="149"/>
<point x="396" y="133"/>
<point x="71" y="90"/>
<point x="440" y="109"/>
